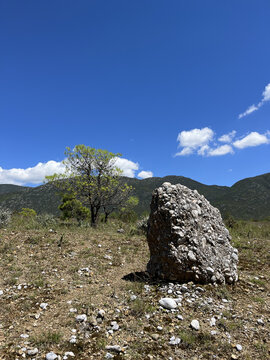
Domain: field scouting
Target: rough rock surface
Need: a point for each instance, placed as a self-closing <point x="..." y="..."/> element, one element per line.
<point x="187" y="238"/>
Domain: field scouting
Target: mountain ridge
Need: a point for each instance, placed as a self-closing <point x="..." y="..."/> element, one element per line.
<point x="248" y="198"/>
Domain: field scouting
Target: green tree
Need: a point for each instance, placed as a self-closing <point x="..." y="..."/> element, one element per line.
<point x="127" y="212"/>
<point x="73" y="208"/>
<point x="92" y="176"/>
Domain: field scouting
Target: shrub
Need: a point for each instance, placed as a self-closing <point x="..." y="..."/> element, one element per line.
<point x="142" y="224"/>
<point x="5" y="217"/>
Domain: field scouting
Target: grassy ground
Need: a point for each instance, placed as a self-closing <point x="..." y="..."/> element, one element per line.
<point x="35" y="269"/>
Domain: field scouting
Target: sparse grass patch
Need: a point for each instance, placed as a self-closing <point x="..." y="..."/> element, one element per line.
<point x="46" y="338"/>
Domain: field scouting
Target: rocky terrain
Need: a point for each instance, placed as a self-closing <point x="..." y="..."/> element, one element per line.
<point x="90" y="298"/>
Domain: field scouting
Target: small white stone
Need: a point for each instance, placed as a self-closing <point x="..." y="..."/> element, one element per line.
<point x="180" y="317"/>
<point x="67" y="354"/>
<point x="73" y="310"/>
<point x="81" y="318"/>
<point x="1" y="292"/>
<point x="43" y="306"/>
<point x="109" y="356"/>
<point x="32" y="352"/>
<point x="133" y="297"/>
<point x="168" y="303"/>
<point x="73" y="339"/>
<point x="195" y="324"/>
<point x="260" y="321"/>
<point x="213" y="321"/>
<point x="51" y="356"/>
<point x="114" y="325"/>
<point x="174" y="340"/>
<point x="24" y="336"/>
<point x="239" y="347"/>
<point x="159" y="328"/>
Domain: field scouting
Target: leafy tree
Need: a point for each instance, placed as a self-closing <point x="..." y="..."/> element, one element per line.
<point x="73" y="208"/>
<point x="127" y="212"/>
<point x="93" y="178"/>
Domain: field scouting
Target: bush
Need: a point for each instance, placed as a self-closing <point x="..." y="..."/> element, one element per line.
<point x="142" y="224"/>
<point x="5" y="217"/>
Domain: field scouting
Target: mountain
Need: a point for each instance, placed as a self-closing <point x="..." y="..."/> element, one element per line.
<point x="246" y="199"/>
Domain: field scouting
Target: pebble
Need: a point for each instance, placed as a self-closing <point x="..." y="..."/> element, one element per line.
<point x="115" y="348"/>
<point x="73" y="339"/>
<point x="195" y="324"/>
<point x="159" y="328"/>
<point x="155" y="336"/>
<point x="24" y="336"/>
<point x="43" y="306"/>
<point x="115" y="326"/>
<point x="174" y="340"/>
<point x="239" y="347"/>
<point x="32" y="352"/>
<point x="213" y="321"/>
<point x="109" y="356"/>
<point x="67" y="354"/>
<point x="133" y="297"/>
<point x="180" y="317"/>
<point x="51" y="356"/>
<point x="260" y="321"/>
<point x="168" y="303"/>
<point x="81" y="318"/>
<point x="1" y="292"/>
<point x="73" y="310"/>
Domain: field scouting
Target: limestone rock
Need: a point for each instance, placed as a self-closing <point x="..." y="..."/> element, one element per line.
<point x="187" y="238"/>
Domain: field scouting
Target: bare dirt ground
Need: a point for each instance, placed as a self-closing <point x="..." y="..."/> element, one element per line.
<point x="103" y="270"/>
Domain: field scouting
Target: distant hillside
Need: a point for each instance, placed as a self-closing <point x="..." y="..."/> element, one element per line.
<point x="246" y="199"/>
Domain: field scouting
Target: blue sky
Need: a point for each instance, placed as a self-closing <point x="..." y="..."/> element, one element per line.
<point x="161" y="82"/>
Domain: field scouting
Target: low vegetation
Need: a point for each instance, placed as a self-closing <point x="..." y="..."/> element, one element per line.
<point x="77" y="270"/>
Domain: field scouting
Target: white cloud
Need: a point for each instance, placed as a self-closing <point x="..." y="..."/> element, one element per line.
<point x="206" y="144"/>
<point x="127" y="166"/>
<point x="221" y="150"/>
<point x="227" y="138"/>
<point x="185" y="151"/>
<point x="195" y="138"/>
<point x="266" y="93"/>
<point x="36" y="175"/>
<point x="252" y="108"/>
<point x="31" y="175"/>
<point x="252" y="139"/>
<point x="203" y="150"/>
<point x="145" y="174"/>
<point x="249" y="110"/>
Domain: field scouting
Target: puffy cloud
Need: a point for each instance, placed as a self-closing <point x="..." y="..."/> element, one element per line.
<point x="221" y="150"/>
<point x="203" y="150"/>
<point x="252" y="139"/>
<point x="227" y="138"/>
<point x="266" y="93"/>
<point x="206" y="145"/>
<point x="31" y="175"/>
<point x="193" y="139"/>
<point x="127" y="166"/>
<point x="145" y="174"/>
<point x="36" y="175"/>
<point x="252" y="108"/>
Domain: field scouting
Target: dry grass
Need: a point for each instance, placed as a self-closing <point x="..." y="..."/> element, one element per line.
<point x="34" y="269"/>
